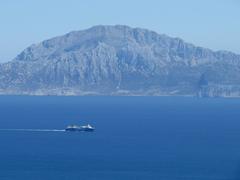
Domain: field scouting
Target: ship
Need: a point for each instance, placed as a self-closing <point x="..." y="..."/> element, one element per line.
<point x="87" y="128"/>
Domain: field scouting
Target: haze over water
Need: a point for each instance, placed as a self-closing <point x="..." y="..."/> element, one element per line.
<point x="136" y="138"/>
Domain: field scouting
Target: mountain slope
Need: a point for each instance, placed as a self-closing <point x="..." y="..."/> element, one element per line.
<point x="119" y="60"/>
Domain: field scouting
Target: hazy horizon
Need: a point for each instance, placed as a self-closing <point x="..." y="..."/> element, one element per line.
<point x="26" y="22"/>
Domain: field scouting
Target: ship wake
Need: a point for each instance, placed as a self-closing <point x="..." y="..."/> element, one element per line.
<point x="35" y="130"/>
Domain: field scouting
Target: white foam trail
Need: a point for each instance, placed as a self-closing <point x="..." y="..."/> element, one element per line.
<point x="35" y="130"/>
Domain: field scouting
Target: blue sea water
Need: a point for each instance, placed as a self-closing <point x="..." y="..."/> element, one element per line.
<point x="136" y="138"/>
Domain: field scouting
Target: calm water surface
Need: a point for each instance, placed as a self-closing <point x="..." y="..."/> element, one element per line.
<point x="136" y="138"/>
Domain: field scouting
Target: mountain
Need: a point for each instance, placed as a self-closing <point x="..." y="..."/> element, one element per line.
<point x="120" y="60"/>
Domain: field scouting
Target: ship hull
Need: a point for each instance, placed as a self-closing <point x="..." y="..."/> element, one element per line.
<point x="79" y="129"/>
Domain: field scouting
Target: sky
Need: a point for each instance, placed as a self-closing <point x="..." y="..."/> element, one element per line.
<point x="214" y="24"/>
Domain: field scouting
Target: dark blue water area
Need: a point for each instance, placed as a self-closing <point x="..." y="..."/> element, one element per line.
<point x="136" y="138"/>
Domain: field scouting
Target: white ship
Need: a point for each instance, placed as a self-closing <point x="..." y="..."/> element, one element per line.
<point x="88" y="128"/>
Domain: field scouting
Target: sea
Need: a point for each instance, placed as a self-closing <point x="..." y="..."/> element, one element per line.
<point x="136" y="138"/>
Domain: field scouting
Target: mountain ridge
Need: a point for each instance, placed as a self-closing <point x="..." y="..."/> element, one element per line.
<point x="135" y="28"/>
<point x="120" y="60"/>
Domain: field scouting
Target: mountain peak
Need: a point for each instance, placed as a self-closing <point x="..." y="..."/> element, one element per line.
<point x="116" y="59"/>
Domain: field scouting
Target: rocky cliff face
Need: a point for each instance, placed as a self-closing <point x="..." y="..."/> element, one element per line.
<point x="119" y="60"/>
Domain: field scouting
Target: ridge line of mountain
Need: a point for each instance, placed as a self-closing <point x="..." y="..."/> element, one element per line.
<point x="120" y="60"/>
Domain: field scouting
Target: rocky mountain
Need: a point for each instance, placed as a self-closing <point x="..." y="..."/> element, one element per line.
<point x="119" y="60"/>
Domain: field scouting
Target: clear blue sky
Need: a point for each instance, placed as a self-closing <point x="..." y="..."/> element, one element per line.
<point x="210" y="23"/>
